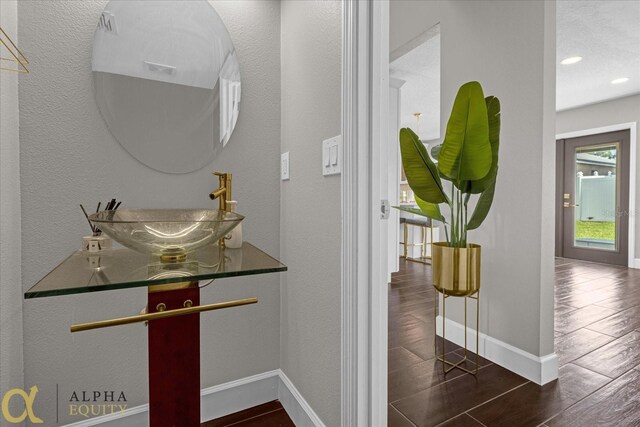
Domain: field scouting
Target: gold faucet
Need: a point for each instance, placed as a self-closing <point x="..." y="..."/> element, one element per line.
<point x="223" y="193"/>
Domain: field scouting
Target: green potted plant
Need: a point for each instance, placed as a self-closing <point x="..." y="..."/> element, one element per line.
<point x="468" y="160"/>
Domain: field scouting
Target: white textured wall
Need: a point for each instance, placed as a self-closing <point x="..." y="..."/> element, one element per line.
<point x="614" y="112"/>
<point x="10" y="250"/>
<point x="69" y="157"/>
<point x="310" y="208"/>
<point x="510" y="48"/>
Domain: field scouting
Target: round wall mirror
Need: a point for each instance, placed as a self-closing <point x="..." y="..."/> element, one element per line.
<point x="167" y="81"/>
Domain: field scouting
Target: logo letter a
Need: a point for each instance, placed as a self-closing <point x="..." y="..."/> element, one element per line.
<point x="28" y="403"/>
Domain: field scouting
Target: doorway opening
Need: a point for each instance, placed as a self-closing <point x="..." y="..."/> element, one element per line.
<point x="414" y="102"/>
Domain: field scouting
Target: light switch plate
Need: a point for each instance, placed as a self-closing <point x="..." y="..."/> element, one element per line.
<point x="332" y="156"/>
<point x="107" y="23"/>
<point x="284" y="166"/>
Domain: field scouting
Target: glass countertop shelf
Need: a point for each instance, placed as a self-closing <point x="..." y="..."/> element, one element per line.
<point x="85" y="271"/>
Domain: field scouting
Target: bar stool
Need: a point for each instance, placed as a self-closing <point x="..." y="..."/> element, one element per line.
<point x="424" y="224"/>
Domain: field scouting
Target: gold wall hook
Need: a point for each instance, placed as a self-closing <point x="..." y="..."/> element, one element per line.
<point x="16" y="55"/>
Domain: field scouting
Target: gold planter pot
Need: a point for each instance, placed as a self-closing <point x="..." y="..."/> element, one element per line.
<point x="456" y="271"/>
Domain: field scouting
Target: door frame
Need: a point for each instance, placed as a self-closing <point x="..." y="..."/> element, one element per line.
<point x="364" y="307"/>
<point x="632" y="128"/>
<point x="394" y="166"/>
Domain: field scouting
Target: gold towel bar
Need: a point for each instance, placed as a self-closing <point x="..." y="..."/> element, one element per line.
<point x="161" y="314"/>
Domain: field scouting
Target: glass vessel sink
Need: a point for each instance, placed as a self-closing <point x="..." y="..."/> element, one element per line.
<point x="166" y="232"/>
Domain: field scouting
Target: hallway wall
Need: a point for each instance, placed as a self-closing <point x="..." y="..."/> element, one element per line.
<point x="509" y="47"/>
<point x="310" y="220"/>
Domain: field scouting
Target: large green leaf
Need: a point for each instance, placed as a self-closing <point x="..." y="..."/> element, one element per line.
<point x="435" y="151"/>
<point x="483" y="206"/>
<point x="466" y="151"/>
<point x="415" y="211"/>
<point x="493" y="111"/>
<point x="433" y="213"/>
<point x="422" y="173"/>
<point x="431" y="210"/>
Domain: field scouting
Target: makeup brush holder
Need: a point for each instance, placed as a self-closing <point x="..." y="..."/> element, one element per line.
<point x="96" y="243"/>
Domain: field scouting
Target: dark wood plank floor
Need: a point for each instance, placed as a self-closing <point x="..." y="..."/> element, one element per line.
<point x="270" y="414"/>
<point x="597" y="340"/>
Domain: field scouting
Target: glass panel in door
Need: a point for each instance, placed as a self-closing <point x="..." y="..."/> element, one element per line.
<point x="596" y="197"/>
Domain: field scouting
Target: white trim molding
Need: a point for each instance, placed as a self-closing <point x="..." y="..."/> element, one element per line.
<point x="632" y="127"/>
<point x="364" y="294"/>
<point x="352" y="341"/>
<point x="539" y="369"/>
<point x="225" y="399"/>
<point x="379" y="232"/>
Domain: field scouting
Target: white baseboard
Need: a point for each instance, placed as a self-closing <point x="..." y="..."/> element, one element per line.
<point x="539" y="369"/>
<point x="636" y="263"/>
<point x="225" y="399"/>
<point x="234" y="396"/>
<point x="296" y="406"/>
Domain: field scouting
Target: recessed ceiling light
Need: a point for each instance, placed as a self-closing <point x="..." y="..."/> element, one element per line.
<point x="571" y="60"/>
<point x="620" y="80"/>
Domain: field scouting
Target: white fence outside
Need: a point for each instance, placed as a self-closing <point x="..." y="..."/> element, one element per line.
<point x="596" y="198"/>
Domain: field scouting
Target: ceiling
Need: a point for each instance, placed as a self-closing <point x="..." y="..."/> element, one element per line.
<point x="605" y="33"/>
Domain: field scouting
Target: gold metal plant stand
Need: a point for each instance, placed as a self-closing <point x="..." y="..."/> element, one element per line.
<point x="442" y="357"/>
<point x="456" y="273"/>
